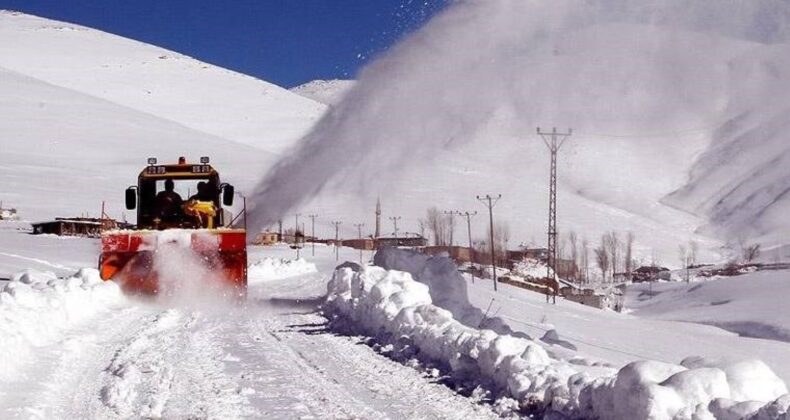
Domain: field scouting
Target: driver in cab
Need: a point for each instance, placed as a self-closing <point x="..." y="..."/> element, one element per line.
<point x="201" y="205"/>
<point x="168" y="203"/>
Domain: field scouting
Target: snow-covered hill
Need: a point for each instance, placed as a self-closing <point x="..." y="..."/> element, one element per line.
<point x="751" y="305"/>
<point x="155" y="81"/>
<point x="81" y="110"/>
<point x="64" y="151"/>
<point x="659" y="106"/>
<point x="328" y="92"/>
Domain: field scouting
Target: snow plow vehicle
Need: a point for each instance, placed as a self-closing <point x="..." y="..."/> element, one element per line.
<point x="180" y="238"/>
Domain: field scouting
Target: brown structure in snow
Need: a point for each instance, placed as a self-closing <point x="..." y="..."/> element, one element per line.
<point x="77" y="226"/>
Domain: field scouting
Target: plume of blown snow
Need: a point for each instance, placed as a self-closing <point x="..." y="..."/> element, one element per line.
<point x="484" y="71"/>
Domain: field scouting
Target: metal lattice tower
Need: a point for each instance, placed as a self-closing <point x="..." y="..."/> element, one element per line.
<point x="554" y="142"/>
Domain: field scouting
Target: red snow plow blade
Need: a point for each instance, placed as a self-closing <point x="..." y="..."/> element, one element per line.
<point x="135" y="259"/>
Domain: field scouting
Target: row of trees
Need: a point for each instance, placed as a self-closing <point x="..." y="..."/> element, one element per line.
<point x="612" y="256"/>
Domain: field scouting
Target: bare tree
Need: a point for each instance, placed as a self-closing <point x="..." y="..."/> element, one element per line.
<point x="573" y="240"/>
<point x="693" y="252"/>
<point x="437" y="224"/>
<point x="449" y="221"/>
<point x="421" y="226"/>
<point x="629" y="253"/>
<point x="585" y="269"/>
<point x="611" y="244"/>
<point x="602" y="258"/>
<point x="750" y="253"/>
<point x="683" y="256"/>
<point x="501" y="238"/>
<point x="685" y="260"/>
<point x="561" y="246"/>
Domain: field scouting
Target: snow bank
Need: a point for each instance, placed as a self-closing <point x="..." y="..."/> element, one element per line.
<point x="446" y="286"/>
<point x="531" y="269"/>
<point x="393" y="307"/>
<point x="35" y="308"/>
<point x="279" y="268"/>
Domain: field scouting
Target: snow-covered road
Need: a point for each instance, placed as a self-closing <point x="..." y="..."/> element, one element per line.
<point x="271" y="358"/>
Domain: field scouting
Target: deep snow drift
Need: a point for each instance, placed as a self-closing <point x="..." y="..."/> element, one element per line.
<point x="37" y="307"/>
<point x="663" y="98"/>
<point x="395" y="309"/>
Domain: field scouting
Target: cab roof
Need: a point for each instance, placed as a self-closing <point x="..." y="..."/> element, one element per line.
<point x="179" y="170"/>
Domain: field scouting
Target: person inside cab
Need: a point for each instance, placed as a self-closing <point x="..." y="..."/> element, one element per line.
<point x="201" y="205"/>
<point x="168" y="203"/>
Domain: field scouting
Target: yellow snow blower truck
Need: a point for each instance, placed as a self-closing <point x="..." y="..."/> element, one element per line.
<point x="179" y="207"/>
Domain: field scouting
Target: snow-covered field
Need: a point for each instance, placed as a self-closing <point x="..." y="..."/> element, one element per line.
<point x="752" y="305"/>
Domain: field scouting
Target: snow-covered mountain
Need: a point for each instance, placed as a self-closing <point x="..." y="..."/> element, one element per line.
<point x="328" y="92"/>
<point x="81" y="111"/>
<point x="156" y="81"/>
<point x="673" y="136"/>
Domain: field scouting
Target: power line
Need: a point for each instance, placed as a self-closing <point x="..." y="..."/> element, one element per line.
<point x="490" y="202"/>
<point x="452" y="225"/>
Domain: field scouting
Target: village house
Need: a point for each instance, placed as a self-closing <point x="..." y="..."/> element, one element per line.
<point x="8" y="214"/>
<point x="266" y="238"/>
<point x="408" y="240"/>
<point x="650" y="273"/>
<point x="365" y="244"/>
<point x="602" y="300"/>
<point x="77" y="226"/>
<point x="459" y="254"/>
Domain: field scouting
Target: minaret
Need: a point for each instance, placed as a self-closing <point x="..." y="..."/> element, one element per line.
<point x="378" y="217"/>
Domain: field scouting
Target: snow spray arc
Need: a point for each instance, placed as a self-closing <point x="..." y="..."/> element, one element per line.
<point x="481" y="60"/>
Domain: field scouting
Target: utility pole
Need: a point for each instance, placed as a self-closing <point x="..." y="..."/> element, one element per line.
<point x="490" y="202"/>
<point x="378" y="218"/>
<point x="359" y="231"/>
<point x="469" y="232"/>
<point x="296" y="224"/>
<point x="452" y="227"/>
<point x="395" y="224"/>
<point x="312" y="231"/>
<point x="554" y="142"/>
<point x="337" y="239"/>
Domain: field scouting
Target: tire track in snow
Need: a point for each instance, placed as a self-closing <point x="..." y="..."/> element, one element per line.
<point x="145" y="361"/>
<point x="171" y="367"/>
<point x="348" y="380"/>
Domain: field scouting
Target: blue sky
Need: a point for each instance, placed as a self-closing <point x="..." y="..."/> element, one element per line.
<point x="287" y="42"/>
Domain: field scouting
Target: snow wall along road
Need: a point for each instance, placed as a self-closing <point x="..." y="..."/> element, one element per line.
<point x="394" y="308"/>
